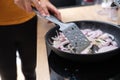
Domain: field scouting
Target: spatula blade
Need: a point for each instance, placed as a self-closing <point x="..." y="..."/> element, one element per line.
<point x="77" y="39"/>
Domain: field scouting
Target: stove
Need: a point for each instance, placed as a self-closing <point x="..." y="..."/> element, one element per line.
<point x="64" y="69"/>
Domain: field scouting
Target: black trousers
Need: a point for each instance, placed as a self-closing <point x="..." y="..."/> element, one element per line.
<point x="23" y="38"/>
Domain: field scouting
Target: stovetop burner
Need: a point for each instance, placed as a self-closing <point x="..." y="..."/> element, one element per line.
<point x="63" y="69"/>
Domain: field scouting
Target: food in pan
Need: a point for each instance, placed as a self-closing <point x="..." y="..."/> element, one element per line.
<point x="100" y="42"/>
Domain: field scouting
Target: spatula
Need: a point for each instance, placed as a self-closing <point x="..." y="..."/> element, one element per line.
<point x="77" y="39"/>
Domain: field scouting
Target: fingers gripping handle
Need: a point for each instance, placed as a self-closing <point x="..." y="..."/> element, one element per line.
<point x="50" y="17"/>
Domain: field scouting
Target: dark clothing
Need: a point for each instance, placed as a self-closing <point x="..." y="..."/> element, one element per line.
<point x="21" y="37"/>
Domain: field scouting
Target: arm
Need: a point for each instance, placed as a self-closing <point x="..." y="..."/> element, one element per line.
<point x="43" y="6"/>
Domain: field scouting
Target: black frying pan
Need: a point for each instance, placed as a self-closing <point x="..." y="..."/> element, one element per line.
<point x="105" y="27"/>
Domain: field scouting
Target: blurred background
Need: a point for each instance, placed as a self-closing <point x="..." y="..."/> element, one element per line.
<point x="65" y="3"/>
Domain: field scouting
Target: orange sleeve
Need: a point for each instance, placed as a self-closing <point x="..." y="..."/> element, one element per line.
<point x="11" y="14"/>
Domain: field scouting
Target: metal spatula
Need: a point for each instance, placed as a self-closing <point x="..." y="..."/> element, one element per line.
<point x="77" y="39"/>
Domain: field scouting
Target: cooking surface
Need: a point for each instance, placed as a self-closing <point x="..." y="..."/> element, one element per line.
<point x="66" y="69"/>
<point x="78" y="13"/>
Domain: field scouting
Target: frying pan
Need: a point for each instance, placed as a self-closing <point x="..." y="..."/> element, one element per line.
<point x="84" y="24"/>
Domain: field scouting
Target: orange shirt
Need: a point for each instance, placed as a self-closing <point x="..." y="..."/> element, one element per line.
<point x="11" y="14"/>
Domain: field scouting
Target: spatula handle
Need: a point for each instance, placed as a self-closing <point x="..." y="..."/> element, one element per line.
<point x="50" y="17"/>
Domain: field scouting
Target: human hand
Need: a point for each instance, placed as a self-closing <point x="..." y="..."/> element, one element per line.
<point x="43" y="6"/>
